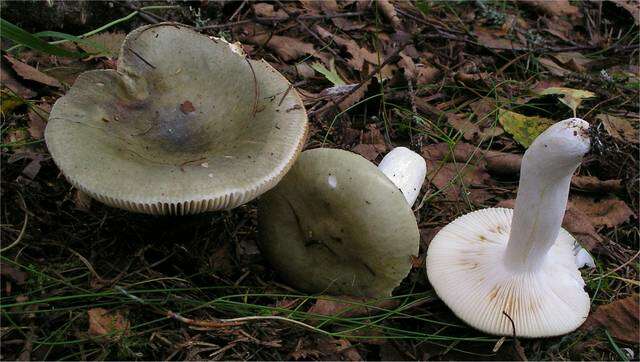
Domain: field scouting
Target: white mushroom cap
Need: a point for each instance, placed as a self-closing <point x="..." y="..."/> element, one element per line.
<point x="465" y="267"/>
<point x="519" y="262"/>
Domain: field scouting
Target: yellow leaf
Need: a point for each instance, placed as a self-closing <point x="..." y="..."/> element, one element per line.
<point x="570" y="97"/>
<point x="524" y="129"/>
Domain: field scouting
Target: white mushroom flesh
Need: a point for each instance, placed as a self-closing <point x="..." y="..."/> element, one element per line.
<point x="407" y="170"/>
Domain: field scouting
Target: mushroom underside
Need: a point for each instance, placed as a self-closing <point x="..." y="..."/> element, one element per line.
<point x="464" y="265"/>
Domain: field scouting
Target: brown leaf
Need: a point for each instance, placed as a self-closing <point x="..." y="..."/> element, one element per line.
<point x="503" y="163"/>
<point x="609" y="212"/>
<point x="268" y="11"/>
<point x="427" y="74"/>
<point x="331" y="7"/>
<point x="285" y="47"/>
<point x="619" y="128"/>
<point x="555" y="7"/>
<point x="18" y="276"/>
<point x="187" y="107"/>
<point x="456" y="179"/>
<point x="470" y="130"/>
<point x="354" y="97"/>
<point x="594" y="184"/>
<point x="495" y="39"/>
<point x="28" y="72"/>
<point x="390" y="13"/>
<point x="37" y="120"/>
<point x="347" y="306"/>
<point x="620" y="318"/>
<point x="573" y="60"/>
<point x="82" y="201"/>
<point x="8" y="80"/>
<point x="370" y="152"/>
<point x="554" y="68"/>
<point x="358" y="55"/>
<point x="103" y="323"/>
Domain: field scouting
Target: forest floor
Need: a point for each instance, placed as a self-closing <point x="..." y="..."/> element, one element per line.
<point x="465" y="84"/>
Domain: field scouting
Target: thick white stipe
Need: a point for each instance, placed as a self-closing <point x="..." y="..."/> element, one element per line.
<point x="406" y="169"/>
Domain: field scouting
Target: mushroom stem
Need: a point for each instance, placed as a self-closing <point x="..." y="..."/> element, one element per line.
<point x="406" y="169"/>
<point x="545" y="177"/>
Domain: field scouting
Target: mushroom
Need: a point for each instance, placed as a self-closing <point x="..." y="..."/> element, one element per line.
<point x="496" y="265"/>
<point x="185" y="124"/>
<point x="337" y="224"/>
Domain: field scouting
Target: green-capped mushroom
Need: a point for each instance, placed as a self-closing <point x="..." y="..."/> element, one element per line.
<point x="336" y="224"/>
<point x="185" y="124"/>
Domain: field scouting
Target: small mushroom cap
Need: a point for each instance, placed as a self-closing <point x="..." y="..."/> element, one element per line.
<point x="464" y="266"/>
<point x="185" y="125"/>
<point x="336" y="224"/>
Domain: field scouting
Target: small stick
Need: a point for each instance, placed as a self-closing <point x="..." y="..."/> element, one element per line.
<point x="203" y="323"/>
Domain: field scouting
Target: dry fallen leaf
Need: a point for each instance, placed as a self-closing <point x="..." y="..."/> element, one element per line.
<point x="495" y="39"/>
<point x="573" y="60"/>
<point x="8" y="80"/>
<point x="38" y="116"/>
<point x="555" y="7"/>
<point x="620" y="318"/>
<point x="18" y="276"/>
<point x="28" y="72"/>
<point x="456" y="179"/>
<point x="268" y="11"/>
<point x="554" y="68"/>
<point x="331" y="7"/>
<point x="346" y="306"/>
<point x="370" y="152"/>
<point x="470" y="130"/>
<point x="285" y="47"/>
<point x="619" y="128"/>
<point x="594" y="184"/>
<point x="390" y="13"/>
<point x="609" y="212"/>
<point x="111" y="325"/>
<point x="572" y="98"/>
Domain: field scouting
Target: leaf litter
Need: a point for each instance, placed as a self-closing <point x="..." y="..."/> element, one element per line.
<point x="460" y="92"/>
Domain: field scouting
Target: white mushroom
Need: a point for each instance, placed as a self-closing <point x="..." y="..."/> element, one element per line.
<point x="494" y="263"/>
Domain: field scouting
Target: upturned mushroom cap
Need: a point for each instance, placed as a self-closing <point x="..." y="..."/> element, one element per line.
<point x="336" y="224"/>
<point x="466" y="269"/>
<point x="494" y="264"/>
<point x="186" y="124"/>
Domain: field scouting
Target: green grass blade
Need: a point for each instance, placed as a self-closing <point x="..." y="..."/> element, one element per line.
<point x="19" y="36"/>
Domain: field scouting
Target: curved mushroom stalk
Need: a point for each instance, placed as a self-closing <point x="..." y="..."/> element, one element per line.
<point x="407" y="170"/>
<point x="545" y="177"/>
<point x="494" y="263"/>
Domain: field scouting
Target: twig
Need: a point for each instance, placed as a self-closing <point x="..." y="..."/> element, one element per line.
<point x="148" y="17"/>
<point x="368" y="77"/>
<point x="311" y="32"/>
<point x="516" y="342"/>
<point x="618" y="267"/>
<point x="24" y="226"/>
<point x="276" y="19"/>
<point x="141" y="58"/>
<point x="203" y="323"/>
<point x="256" y="90"/>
